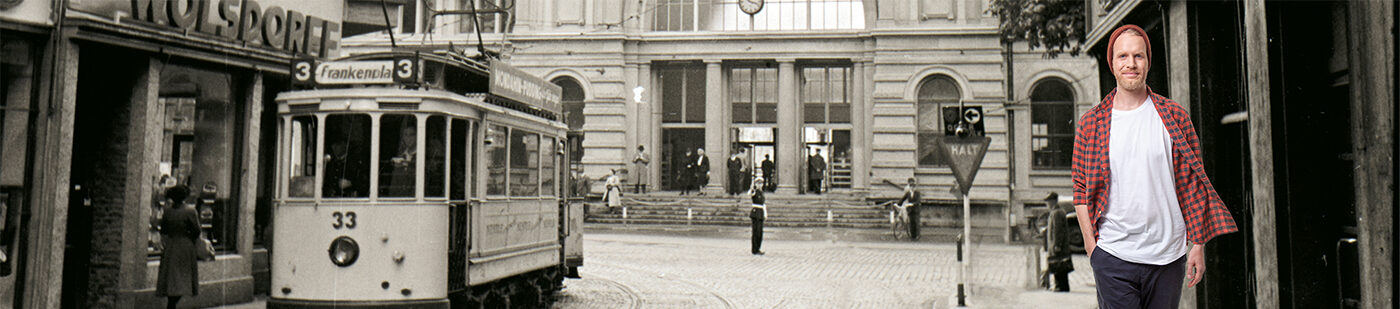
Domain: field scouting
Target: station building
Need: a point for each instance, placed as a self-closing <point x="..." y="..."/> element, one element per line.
<point x="863" y="82"/>
<point x="107" y="102"/>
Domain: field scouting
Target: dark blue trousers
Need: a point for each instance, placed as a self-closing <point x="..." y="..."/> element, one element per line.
<point x="1127" y="285"/>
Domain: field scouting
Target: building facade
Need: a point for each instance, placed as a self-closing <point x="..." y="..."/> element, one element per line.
<point x="863" y="83"/>
<point x="108" y="102"/>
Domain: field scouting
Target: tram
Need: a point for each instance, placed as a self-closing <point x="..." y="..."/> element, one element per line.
<point x="421" y="180"/>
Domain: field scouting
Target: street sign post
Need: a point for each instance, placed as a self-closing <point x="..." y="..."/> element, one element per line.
<point x="965" y="157"/>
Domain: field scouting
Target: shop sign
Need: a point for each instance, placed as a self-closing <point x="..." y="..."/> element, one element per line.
<point x="281" y="25"/>
<point x="511" y="83"/>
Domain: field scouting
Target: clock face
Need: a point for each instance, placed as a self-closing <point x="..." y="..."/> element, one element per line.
<point x="750" y="6"/>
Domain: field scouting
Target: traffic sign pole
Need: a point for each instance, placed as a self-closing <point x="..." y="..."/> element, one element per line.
<point x="965" y="156"/>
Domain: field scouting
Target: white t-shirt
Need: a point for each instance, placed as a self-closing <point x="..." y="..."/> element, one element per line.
<point x="1143" y="221"/>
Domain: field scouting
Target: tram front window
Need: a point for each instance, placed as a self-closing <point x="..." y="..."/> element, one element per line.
<point x="435" y="178"/>
<point x="302" y="167"/>
<point x="496" y="160"/>
<point x="398" y="153"/>
<point x="347" y="157"/>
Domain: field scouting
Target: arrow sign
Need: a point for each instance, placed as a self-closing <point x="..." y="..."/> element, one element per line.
<point x="965" y="157"/>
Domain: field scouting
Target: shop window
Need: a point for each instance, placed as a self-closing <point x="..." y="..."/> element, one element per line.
<point x="753" y="95"/>
<point x="826" y="96"/>
<point x="398" y="155"/>
<point x="496" y="144"/>
<point x="346" y="172"/>
<point x="435" y="158"/>
<point x="202" y="119"/>
<point x="1052" y="124"/>
<point x="682" y="93"/>
<point x="524" y="163"/>
<point x="934" y="93"/>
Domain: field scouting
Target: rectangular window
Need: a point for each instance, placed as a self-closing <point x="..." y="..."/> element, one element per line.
<point x="302" y="165"/>
<point x="681" y="15"/>
<point x="826" y="96"/>
<point x="786" y="15"/>
<point x="200" y="146"/>
<point x="1052" y="134"/>
<point x="524" y="163"/>
<point x="682" y="94"/>
<point x="398" y="155"/>
<point x="435" y="158"/>
<point x="547" y="167"/>
<point x="490" y="23"/>
<point x="347" y="156"/>
<point x="752" y="95"/>
<point x="496" y="160"/>
<point x="461" y="142"/>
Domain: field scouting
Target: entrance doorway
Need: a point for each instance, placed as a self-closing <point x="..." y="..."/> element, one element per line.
<point x="761" y="145"/>
<point x="97" y="179"/>
<point x="678" y="147"/>
<point x="831" y="149"/>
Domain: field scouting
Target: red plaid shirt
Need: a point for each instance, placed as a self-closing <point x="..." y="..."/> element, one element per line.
<point x="1202" y="209"/>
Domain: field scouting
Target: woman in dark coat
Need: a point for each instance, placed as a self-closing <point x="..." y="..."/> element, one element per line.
<point x="179" y="230"/>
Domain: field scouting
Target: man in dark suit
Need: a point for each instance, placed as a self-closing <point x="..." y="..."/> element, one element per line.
<point x="736" y="184"/>
<point x="770" y="179"/>
<point x="702" y="170"/>
<point x="816" y="168"/>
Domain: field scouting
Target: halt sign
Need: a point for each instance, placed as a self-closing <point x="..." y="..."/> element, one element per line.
<point x="965" y="157"/>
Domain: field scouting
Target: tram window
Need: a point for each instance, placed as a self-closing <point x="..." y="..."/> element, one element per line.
<point x="303" y="157"/>
<point x="524" y="163"/>
<point x="460" y="139"/>
<point x="347" y="156"/>
<point x="496" y="160"/>
<point x="547" y="167"/>
<point x="398" y="153"/>
<point x="435" y="172"/>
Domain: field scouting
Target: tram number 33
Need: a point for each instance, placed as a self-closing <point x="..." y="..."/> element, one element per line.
<point x="345" y="220"/>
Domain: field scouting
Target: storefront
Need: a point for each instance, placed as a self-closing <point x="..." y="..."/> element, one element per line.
<point x="137" y="96"/>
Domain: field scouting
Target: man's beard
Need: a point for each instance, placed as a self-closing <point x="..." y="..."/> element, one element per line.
<point x="1131" y="85"/>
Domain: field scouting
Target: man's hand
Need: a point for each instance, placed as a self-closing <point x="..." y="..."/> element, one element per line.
<point x="1196" y="264"/>
<point x="1085" y="229"/>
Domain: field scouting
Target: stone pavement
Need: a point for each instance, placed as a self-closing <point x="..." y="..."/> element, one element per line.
<point x="651" y="266"/>
<point x="667" y="267"/>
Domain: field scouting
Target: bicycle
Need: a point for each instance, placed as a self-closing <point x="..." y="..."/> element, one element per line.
<point x="899" y="219"/>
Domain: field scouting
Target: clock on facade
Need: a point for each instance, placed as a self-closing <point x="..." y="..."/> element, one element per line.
<point x="751" y="6"/>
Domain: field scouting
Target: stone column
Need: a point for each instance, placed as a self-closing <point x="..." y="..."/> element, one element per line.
<point x="789" y="143"/>
<point x="647" y="127"/>
<point x="716" y="138"/>
<point x="633" y="125"/>
<point x="144" y="141"/>
<point x="859" y="170"/>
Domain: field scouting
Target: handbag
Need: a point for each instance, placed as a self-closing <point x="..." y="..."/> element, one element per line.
<point x="206" y="249"/>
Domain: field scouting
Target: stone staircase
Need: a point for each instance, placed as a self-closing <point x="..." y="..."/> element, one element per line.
<point x="784" y="210"/>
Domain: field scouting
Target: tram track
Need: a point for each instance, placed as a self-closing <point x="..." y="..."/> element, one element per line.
<point x="723" y="301"/>
<point x="634" y="298"/>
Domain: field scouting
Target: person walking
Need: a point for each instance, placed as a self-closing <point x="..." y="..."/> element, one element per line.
<point x="178" y="275"/>
<point x="686" y="175"/>
<point x="640" y="171"/>
<point x="1145" y="205"/>
<point x="768" y="168"/>
<point x="757" y="215"/>
<point x="736" y="183"/>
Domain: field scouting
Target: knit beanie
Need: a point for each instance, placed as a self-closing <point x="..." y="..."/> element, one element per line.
<point x="1114" y="38"/>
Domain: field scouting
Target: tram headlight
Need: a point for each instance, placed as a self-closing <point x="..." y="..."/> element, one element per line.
<point x="344" y="251"/>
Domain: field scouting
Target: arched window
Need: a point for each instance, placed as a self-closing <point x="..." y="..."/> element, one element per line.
<point x="572" y="100"/>
<point x="935" y="92"/>
<point x="1052" y="124"/>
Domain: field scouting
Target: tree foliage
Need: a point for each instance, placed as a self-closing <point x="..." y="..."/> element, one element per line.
<point x="1056" y="25"/>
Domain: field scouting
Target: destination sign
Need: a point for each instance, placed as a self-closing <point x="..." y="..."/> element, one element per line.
<point x="511" y="83"/>
<point x="307" y="72"/>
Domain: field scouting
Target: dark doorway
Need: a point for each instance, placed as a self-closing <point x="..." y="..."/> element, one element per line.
<point x="678" y="146"/>
<point x="1314" y="186"/>
<point x="97" y="179"/>
<point x="1218" y="99"/>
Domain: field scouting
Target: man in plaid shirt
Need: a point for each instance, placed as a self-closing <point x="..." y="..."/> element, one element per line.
<point x="1145" y="205"/>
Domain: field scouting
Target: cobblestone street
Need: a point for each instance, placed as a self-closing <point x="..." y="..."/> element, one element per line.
<point x="646" y="269"/>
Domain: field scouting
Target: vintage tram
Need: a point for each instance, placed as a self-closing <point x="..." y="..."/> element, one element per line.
<point x="422" y="180"/>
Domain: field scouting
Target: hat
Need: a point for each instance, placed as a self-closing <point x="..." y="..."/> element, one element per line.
<point x="1114" y="38"/>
